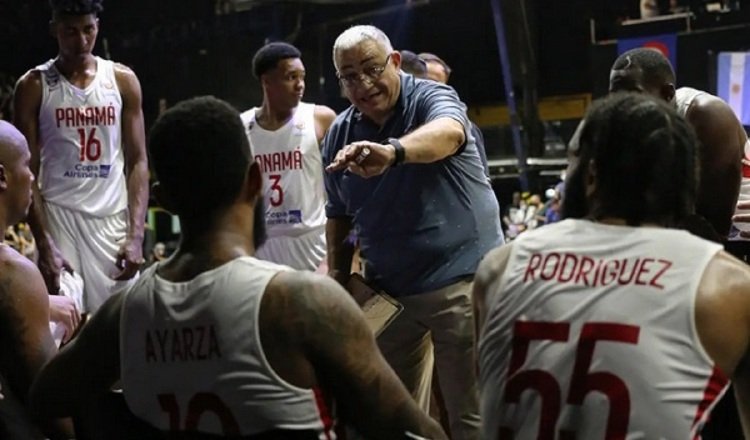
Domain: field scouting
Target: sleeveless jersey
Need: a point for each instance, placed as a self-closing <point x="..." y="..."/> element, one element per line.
<point x="591" y="334"/>
<point x="744" y="195"/>
<point x="191" y="356"/>
<point x="290" y="161"/>
<point x="82" y="164"/>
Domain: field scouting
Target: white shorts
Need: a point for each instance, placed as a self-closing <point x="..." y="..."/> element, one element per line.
<point x="90" y="245"/>
<point x="71" y="285"/>
<point x="304" y="252"/>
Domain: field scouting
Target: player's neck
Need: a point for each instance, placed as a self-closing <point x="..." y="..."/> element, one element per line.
<point x="223" y="238"/>
<point x="203" y="252"/>
<point x="273" y="117"/>
<point x="70" y="66"/>
<point x="622" y="222"/>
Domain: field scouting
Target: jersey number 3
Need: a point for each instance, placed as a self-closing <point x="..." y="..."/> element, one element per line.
<point x="91" y="147"/>
<point x="199" y="404"/>
<point x="277" y="192"/>
<point x="582" y="381"/>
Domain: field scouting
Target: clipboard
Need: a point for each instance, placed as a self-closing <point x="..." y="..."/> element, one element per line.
<point x="380" y="309"/>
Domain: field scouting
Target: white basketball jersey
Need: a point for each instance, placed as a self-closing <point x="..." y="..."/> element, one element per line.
<point x="191" y="356"/>
<point x="292" y="168"/>
<point x="684" y="97"/>
<point x="82" y="164"/>
<point x="591" y="334"/>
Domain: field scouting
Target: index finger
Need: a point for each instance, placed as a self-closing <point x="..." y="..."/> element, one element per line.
<point x="341" y="160"/>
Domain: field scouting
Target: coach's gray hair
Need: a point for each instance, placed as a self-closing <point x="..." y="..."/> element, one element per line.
<point x="356" y="35"/>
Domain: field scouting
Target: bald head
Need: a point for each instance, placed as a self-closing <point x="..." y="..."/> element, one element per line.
<point x="15" y="176"/>
<point x="12" y="142"/>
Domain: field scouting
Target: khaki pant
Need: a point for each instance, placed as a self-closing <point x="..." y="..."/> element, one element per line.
<point x="437" y="328"/>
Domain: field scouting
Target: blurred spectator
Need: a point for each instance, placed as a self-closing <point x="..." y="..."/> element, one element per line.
<point x="552" y="212"/>
<point x="653" y="8"/>
<point x="411" y="63"/>
<point x="158" y="253"/>
<point x="19" y="237"/>
<point x="437" y="69"/>
<point x="526" y="212"/>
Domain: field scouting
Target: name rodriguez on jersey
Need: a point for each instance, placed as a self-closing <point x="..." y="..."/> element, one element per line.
<point x="563" y="267"/>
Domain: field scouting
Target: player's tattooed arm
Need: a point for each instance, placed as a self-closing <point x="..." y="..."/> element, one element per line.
<point x="330" y="332"/>
<point x="25" y="335"/>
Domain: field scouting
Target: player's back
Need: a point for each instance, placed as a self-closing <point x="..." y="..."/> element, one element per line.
<point x="191" y="356"/>
<point x="590" y="333"/>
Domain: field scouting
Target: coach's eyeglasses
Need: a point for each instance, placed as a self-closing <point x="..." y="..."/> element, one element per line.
<point x="369" y="74"/>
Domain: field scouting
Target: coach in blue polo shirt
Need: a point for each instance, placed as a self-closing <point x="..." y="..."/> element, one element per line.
<point x="404" y="172"/>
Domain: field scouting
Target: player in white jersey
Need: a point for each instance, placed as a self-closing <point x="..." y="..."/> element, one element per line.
<point x="724" y="176"/>
<point x="721" y="135"/>
<point x="610" y="324"/>
<point x="215" y="341"/>
<point x="82" y="117"/>
<point x="285" y="134"/>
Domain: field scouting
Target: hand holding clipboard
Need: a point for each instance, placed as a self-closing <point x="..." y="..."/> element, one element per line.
<point x="379" y="308"/>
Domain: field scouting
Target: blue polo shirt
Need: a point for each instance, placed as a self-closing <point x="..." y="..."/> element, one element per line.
<point x="420" y="226"/>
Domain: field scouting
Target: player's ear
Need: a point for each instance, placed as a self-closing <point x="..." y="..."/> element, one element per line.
<point x="3" y="178"/>
<point x="161" y="197"/>
<point x="590" y="177"/>
<point x="667" y="92"/>
<point x="253" y="185"/>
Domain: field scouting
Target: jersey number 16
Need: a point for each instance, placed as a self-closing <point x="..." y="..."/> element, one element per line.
<point x="91" y="147"/>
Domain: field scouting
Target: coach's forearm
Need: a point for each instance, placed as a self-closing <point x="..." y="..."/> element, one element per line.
<point x="433" y="141"/>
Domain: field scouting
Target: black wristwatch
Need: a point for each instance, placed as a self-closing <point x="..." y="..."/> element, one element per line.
<point x="400" y="153"/>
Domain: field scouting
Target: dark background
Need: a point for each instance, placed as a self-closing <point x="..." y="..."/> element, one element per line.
<point x="184" y="48"/>
<point x="181" y="48"/>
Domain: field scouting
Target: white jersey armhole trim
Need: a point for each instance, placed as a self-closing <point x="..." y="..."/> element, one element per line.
<point x="113" y="67"/>
<point x="693" y="325"/>
<point x="496" y="288"/>
<point x="262" y="354"/>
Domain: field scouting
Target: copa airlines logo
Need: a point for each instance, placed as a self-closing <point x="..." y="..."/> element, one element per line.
<point x="82" y="171"/>
<point x="291" y="217"/>
<point x="52" y="78"/>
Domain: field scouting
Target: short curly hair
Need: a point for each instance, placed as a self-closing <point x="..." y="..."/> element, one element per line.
<point x="201" y="138"/>
<point x="646" y="162"/>
<point x="76" y="7"/>
<point x="268" y="56"/>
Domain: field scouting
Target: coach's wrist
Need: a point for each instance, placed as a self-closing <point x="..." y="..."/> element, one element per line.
<point x="399" y="154"/>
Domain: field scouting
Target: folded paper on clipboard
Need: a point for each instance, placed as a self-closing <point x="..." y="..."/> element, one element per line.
<point x="379" y="308"/>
